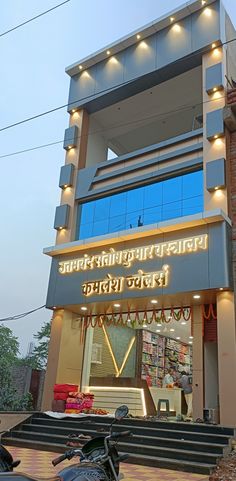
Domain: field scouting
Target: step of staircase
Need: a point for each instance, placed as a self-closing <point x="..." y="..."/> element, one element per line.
<point x="181" y="446"/>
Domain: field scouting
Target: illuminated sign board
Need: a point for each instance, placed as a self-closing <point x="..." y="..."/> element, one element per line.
<point x="127" y="257"/>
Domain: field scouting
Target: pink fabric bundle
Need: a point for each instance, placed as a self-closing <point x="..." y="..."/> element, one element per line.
<point x="79" y="401"/>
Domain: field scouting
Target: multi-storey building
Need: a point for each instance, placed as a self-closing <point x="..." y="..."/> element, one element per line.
<point x="142" y="269"/>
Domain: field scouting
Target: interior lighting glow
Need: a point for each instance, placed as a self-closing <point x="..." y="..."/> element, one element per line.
<point x="218" y="193"/>
<point x="203" y="2"/>
<point x="143" y="403"/>
<point x="221" y="288"/>
<point x="216" y="188"/>
<point x="172" y="330"/>
<point x="172" y="19"/>
<point x="116" y="305"/>
<point x="215" y="89"/>
<point x="178" y="338"/>
<point x="183" y="323"/>
<point x="196" y="296"/>
<point x="190" y="337"/>
<point x="158" y="330"/>
<point x="83" y="308"/>
<point x="208" y="12"/>
<point x="213" y="45"/>
<point x="190" y="342"/>
<point x="159" y="324"/>
<point x="143" y="45"/>
<point x="144" y="325"/>
<point x="216" y="136"/>
<point x="138" y="36"/>
<point x="126" y="356"/>
<point x="170" y="317"/>
<point x="80" y="67"/>
<point x="154" y="301"/>
<point x="216" y="52"/>
<point x="108" y="52"/>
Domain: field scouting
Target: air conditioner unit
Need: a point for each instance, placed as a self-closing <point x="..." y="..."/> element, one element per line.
<point x="96" y="354"/>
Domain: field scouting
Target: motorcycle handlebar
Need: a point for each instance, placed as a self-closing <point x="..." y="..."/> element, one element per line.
<point x="123" y="434"/>
<point x="58" y="460"/>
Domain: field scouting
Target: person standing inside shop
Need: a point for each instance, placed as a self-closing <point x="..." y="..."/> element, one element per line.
<point x="168" y="379"/>
<point x="184" y="383"/>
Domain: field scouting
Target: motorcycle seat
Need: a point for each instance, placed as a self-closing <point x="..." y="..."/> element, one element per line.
<point x="25" y="477"/>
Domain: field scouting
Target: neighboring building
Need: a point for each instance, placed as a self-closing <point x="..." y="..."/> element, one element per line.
<point x="141" y="277"/>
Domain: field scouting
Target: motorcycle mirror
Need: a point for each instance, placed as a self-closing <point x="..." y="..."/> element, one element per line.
<point x="121" y="412"/>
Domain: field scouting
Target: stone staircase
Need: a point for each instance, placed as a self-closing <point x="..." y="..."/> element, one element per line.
<point x="188" y="447"/>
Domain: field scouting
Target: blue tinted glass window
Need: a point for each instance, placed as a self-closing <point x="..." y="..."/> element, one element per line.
<point x="168" y="199"/>
<point x="117" y="223"/>
<point x="118" y="204"/>
<point x="86" y="231"/>
<point x="153" y="195"/>
<point x="172" y="190"/>
<point x="135" y="199"/>
<point x="87" y="212"/>
<point x="102" y="209"/>
<point x="191" y="184"/>
<point x="100" y="227"/>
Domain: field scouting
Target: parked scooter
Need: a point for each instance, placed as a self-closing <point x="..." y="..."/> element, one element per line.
<point x="99" y="459"/>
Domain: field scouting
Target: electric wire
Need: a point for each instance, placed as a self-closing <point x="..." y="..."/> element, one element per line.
<point x="114" y="126"/>
<point x="20" y="316"/>
<point x="33" y="18"/>
<point x="55" y="109"/>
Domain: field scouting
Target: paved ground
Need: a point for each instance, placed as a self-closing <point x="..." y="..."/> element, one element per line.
<point x="38" y="463"/>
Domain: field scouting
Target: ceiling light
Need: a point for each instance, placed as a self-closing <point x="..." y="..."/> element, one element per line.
<point x="83" y="308"/>
<point x="215" y="89"/>
<point x="54" y="307"/>
<point x="216" y="188"/>
<point x="172" y="19"/>
<point x="203" y="2"/>
<point x="216" y="136"/>
<point x="80" y="67"/>
<point x="138" y="36"/>
<point x="144" y="325"/>
<point x="159" y="324"/>
<point x="213" y="45"/>
<point x="108" y="52"/>
<point x="196" y="296"/>
<point x="190" y="337"/>
<point x="116" y="305"/>
<point x="221" y="288"/>
<point x="178" y="338"/>
<point x="170" y="317"/>
<point x="158" y="330"/>
<point x="128" y="320"/>
<point x="190" y="342"/>
<point x="154" y="301"/>
<point x="172" y="330"/>
<point x="183" y="323"/>
<point x="177" y="27"/>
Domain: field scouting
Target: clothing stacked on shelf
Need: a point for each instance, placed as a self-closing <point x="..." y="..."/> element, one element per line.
<point x="178" y="355"/>
<point x="153" y="358"/>
<point x="78" y="402"/>
<point x="61" y="392"/>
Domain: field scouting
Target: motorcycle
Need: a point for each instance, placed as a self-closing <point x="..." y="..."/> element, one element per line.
<point x="99" y="459"/>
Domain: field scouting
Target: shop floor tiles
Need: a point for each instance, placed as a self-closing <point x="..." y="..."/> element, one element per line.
<point x="39" y="464"/>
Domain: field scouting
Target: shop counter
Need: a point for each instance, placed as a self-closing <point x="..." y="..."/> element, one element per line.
<point x="174" y="396"/>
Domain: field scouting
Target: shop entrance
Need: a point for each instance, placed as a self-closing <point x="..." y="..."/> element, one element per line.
<point x="144" y="348"/>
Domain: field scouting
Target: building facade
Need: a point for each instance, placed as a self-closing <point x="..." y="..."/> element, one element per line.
<point x="142" y="276"/>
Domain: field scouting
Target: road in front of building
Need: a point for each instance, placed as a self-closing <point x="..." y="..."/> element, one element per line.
<point x="39" y="464"/>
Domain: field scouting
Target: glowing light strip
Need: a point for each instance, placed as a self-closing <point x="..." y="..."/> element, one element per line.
<point x="143" y="402"/>
<point x="111" y="351"/>
<point x="126" y="355"/>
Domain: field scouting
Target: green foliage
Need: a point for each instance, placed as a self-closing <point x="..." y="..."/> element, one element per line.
<point x="40" y="352"/>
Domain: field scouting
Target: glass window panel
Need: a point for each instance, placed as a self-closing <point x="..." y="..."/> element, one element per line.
<point x="192" y="184"/>
<point x="87" y="212"/>
<point x="135" y="200"/>
<point x="153" y="215"/>
<point x="100" y="227"/>
<point x="102" y="209"/>
<point x="170" y="211"/>
<point x="118" y="204"/>
<point x="85" y="231"/>
<point x="192" y="205"/>
<point x="117" y="223"/>
<point x="153" y="195"/>
<point x="172" y="190"/>
<point x="134" y="219"/>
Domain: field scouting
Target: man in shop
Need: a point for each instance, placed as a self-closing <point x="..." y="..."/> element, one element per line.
<point x="184" y="383"/>
<point x="168" y="378"/>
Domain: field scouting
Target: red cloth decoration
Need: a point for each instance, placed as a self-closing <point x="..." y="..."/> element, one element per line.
<point x="60" y="396"/>
<point x="65" y="388"/>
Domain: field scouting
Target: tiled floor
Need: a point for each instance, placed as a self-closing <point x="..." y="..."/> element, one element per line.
<point x="39" y="464"/>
